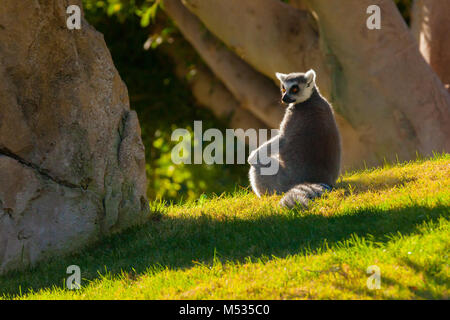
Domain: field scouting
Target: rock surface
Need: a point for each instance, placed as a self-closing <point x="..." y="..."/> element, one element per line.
<point x="72" y="165"/>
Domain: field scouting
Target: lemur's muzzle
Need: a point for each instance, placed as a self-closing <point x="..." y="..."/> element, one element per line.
<point x="287" y="99"/>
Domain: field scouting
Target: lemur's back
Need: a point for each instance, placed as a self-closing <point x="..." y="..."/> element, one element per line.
<point x="311" y="151"/>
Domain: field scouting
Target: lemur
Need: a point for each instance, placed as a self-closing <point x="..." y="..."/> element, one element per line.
<point x="308" y="143"/>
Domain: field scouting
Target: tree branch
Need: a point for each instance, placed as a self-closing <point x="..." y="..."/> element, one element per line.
<point x="270" y="35"/>
<point x="253" y="91"/>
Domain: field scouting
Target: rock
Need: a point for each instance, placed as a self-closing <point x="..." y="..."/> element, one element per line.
<point x="72" y="163"/>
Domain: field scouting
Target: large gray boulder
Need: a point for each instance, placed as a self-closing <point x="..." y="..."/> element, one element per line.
<point x="72" y="165"/>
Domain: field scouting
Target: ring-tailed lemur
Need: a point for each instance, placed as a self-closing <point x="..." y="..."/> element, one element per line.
<point x="308" y="143"/>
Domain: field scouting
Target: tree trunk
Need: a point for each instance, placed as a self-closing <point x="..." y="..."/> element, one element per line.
<point x="384" y="86"/>
<point x="431" y="29"/>
<point x="299" y="4"/>
<point x="254" y="92"/>
<point x="270" y="35"/>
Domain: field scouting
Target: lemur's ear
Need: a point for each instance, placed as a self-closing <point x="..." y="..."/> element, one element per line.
<point x="310" y="76"/>
<point x="280" y="76"/>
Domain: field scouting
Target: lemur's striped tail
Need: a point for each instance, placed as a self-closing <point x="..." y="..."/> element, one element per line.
<point x="302" y="193"/>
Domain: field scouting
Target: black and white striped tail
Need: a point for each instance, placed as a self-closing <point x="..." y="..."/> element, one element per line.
<point x="302" y="193"/>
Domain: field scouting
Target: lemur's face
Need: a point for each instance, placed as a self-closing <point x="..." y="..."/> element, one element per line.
<point x="296" y="87"/>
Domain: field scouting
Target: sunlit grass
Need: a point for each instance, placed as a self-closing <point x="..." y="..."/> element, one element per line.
<point x="237" y="246"/>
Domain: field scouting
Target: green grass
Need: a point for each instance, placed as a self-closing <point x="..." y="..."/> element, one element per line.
<point x="241" y="247"/>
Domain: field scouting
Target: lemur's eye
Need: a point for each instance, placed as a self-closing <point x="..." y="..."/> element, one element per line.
<point x="294" y="89"/>
<point x="283" y="89"/>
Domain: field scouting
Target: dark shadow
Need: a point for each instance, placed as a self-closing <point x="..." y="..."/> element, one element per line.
<point x="181" y="242"/>
<point x="430" y="278"/>
<point x="382" y="181"/>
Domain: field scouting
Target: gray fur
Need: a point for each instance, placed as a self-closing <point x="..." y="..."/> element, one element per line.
<point x="309" y="145"/>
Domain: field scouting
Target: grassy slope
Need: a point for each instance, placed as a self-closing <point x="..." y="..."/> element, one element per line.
<point x="241" y="247"/>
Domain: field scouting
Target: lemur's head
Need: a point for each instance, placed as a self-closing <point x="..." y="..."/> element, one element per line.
<point x="296" y="87"/>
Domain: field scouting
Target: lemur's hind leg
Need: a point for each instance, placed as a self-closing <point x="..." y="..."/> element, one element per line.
<point x="263" y="183"/>
<point x="266" y="172"/>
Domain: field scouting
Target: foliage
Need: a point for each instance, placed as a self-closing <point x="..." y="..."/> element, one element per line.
<point x="145" y="9"/>
<point x="241" y="247"/>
